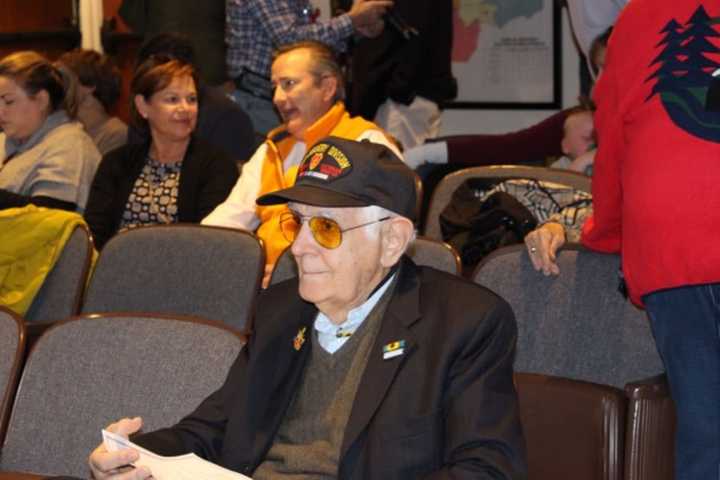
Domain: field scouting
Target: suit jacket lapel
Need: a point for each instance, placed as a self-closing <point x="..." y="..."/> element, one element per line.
<point x="402" y="311"/>
<point x="277" y="380"/>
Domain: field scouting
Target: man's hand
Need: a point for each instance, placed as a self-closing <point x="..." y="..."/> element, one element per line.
<point x="116" y="465"/>
<point x="371" y="30"/>
<point x="542" y="245"/>
<point x="366" y="16"/>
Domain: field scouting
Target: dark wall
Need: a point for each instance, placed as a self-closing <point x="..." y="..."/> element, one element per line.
<point x="42" y="25"/>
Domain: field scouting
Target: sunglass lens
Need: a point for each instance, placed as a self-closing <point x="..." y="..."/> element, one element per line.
<point x="290" y="226"/>
<point x="326" y="232"/>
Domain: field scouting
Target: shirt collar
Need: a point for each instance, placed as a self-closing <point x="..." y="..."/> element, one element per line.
<point x="320" y="129"/>
<point x="357" y="315"/>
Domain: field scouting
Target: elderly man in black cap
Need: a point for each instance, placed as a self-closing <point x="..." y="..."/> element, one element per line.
<point x="366" y="366"/>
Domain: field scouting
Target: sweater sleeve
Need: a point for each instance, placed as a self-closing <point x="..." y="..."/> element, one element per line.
<point x="531" y="145"/>
<point x="9" y="199"/>
<point x="238" y="209"/>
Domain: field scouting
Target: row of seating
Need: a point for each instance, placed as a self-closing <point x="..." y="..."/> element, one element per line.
<point x="593" y="398"/>
<point x="86" y="372"/>
<point x="580" y="344"/>
<point x="177" y="269"/>
<point x="57" y="300"/>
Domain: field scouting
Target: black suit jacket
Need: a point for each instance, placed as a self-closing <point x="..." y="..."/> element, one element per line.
<point x="207" y="176"/>
<point x="444" y="409"/>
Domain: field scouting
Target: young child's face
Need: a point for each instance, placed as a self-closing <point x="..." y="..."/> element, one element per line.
<point x="579" y="134"/>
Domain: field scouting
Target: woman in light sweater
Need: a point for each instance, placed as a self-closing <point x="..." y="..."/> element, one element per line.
<point x="46" y="158"/>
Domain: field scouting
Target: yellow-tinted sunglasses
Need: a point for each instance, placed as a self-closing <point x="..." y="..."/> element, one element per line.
<point x="326" y="231"/>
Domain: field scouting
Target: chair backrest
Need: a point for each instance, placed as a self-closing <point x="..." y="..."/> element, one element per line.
<point x="575" y="325"/>
<point x="181" y="269"/>
<point x="424" y="251"/>
<point x="573" y="429"/>
<point x="61" y="293"/>
<point x="445" y="189"/>
<point x="285" y="268"/>
<point x="437" y="254"/>
<point x="87" y="372"/>
<point x="12" y="348"/>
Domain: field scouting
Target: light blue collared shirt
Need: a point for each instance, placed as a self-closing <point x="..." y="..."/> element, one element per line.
<point x="331" y="337"/>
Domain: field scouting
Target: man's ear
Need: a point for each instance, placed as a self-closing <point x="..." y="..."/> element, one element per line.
<point x="329" y="86"/>
<point x="397" y="234"/>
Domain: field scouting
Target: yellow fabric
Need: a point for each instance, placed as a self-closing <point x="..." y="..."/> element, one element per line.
<point x="335" y="122"/>
<point x="31" y="240"/>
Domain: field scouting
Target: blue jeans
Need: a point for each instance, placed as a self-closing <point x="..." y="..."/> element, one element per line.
<point x="686" y="325"/>
<point x="261" y="111"/>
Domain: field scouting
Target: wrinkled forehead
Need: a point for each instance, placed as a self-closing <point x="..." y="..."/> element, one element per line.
<point x="295" y="61"/>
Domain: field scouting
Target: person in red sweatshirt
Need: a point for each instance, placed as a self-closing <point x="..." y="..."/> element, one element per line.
<point x="656" y="201"/>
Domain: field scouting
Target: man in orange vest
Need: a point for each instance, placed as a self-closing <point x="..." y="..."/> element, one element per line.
<point x="309" y="93"/>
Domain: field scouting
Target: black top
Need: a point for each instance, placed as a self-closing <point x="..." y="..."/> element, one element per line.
<point x="206" y="178"/>
<point x="391" y="66"/>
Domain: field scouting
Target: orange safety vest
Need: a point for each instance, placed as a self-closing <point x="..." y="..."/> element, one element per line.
<point x="335" y="122"/>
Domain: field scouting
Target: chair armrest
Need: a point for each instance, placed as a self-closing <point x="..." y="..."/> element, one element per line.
<point x="582" y="420"/>
<point x="650" y="431"/>
<point x="652" y="388"/>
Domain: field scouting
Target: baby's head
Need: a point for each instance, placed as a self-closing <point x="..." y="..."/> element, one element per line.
<point x="578" y="132"/>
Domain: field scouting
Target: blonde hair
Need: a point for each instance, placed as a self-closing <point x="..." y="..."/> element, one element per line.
<point x="34" y="73"/>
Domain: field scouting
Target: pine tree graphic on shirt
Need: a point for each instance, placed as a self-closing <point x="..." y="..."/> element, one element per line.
<point x="687" y="78"/>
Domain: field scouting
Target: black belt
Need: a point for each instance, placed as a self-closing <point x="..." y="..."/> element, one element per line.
<point x="254" y="84"/>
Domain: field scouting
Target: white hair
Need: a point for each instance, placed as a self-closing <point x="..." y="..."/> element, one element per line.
<point x="376" y="212"/>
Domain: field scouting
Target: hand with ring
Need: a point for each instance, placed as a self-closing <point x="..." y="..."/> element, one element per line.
<point x="542" y="245"/>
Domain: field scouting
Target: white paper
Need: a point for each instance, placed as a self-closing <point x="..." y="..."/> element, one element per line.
<point x="181" y="467"/>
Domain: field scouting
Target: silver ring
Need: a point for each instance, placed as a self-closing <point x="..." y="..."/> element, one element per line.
<point x="533" y="249"/>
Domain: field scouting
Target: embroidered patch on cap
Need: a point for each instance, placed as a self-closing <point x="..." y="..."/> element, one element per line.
<point x="325" y="162"/>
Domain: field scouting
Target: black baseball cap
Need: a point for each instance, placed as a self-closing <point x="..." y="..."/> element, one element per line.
<point x="337" y="172"/>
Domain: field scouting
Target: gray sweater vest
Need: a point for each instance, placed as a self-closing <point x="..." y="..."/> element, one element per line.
<point x="307" y="445"/>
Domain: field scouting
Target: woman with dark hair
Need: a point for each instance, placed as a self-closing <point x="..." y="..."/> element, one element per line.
<point x="172" y="177"/>
<point x="46" y="158"/>
<point x="97" y="93"/>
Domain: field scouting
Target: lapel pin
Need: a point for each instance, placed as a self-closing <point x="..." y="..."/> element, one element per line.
<point x="299" y="339"/>
<point x="393" y="349"/>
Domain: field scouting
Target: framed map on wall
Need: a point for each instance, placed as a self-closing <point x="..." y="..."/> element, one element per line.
<point x="506" y="54"/>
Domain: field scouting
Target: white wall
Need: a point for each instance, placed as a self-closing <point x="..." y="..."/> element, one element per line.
<point x="456" y="122"/>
